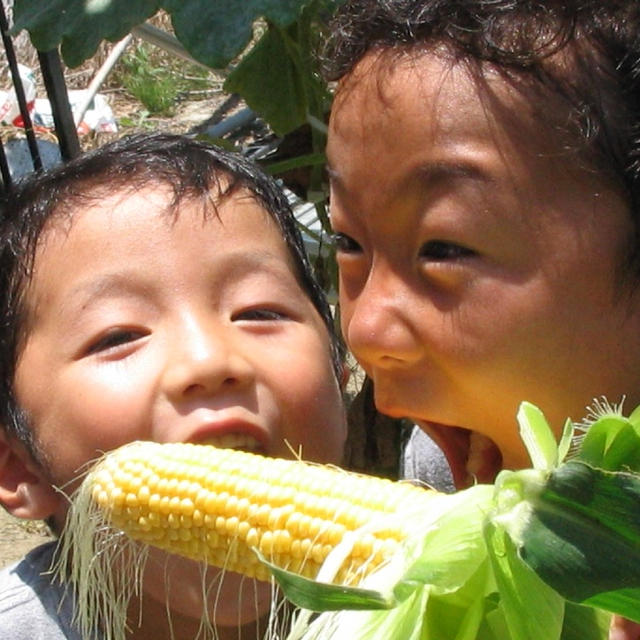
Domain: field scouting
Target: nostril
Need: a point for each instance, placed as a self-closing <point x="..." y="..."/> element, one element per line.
<point x="193" y="389"/>
<point x="200" y="387"/>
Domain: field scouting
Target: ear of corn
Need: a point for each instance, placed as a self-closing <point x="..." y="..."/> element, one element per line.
<point x="503" y="562"/>
<point x="231" y="509"/>
<point x="220" y="506"/>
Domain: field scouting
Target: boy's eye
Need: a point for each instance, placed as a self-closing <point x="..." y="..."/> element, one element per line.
<point x="344" y="243"/>
<point x="439" y="250"/>
<point x="260" y="314"/>
<point x="114" y="338"/>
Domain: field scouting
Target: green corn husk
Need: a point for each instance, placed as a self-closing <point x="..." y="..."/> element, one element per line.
<point x="546" y="553"/>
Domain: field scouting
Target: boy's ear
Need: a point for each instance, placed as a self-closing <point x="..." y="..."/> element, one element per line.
<point x="24" y="490"/>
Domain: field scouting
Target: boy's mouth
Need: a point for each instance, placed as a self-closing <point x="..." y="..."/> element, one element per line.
<point x="228" y="429"/>
<point x="473" y="457"/>
<point x="242" y="441"/>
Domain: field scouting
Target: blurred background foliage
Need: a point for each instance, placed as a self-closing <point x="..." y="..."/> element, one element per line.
<point x="265" y="49"/>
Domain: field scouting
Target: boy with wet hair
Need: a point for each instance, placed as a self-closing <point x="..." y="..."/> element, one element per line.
<point x="485" y="198"/>
<point x="156" y="288"/>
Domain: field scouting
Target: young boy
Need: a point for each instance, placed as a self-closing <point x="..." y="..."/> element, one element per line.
<point x="485" y="196"/>
<point x="154" y="289"/>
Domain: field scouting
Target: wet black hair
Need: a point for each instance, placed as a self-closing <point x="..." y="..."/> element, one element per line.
<point x="190" y="168"/>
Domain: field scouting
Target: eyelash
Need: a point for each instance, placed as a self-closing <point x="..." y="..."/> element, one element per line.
<point x="344" y="243"/>
<point x="119" y="337"/>
<point x="113" y="339"/>
<point x="264" y="315"/>
<point x="435" y="250"/>
<point x="441" y="251"/>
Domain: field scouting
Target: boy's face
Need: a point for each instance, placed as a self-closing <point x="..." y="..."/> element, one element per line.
<point x="142" y="327"/>
<point x="477" y="261"/>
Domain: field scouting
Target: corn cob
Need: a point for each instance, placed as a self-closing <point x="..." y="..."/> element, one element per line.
<point x="219" y="505"/>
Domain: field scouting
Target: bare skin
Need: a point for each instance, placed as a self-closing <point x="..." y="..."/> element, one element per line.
<point x="478" y="267"/>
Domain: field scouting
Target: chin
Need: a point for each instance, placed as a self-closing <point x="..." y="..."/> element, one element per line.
<point x="187" y="587"/>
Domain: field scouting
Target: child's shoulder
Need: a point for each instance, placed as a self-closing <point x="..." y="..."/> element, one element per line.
<point x="30" y="600"/>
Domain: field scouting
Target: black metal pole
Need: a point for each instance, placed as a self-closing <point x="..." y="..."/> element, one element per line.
<point x="19" y="89"/>
<point x="4" y="171"/>
<point x="54" y="83"/>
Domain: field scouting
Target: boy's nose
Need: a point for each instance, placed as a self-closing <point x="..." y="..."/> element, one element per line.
<point x="379" y="322"/>
<point x="204" y="358"/>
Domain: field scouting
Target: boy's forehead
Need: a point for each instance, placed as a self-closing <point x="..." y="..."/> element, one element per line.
<point x="452" y="96"/>
<point x="108" y="232"/>
<point x="382" y="72"/>
<point x="167" y="200"/>
<point x="83" y="232"/>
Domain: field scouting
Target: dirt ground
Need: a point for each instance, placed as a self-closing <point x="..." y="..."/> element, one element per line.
<point x="19" y="536"/>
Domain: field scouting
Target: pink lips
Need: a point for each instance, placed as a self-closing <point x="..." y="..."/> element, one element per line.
<point x="231" y="434"/>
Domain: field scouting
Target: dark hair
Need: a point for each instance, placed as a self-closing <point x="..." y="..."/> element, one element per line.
<point x="585" y="52"/>
<point x="191" y="168"/>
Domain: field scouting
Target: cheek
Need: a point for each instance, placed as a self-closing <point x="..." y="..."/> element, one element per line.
<point x="313" y="414"/>
<point x="491" y="318"/>
<point x="75" y="427"/>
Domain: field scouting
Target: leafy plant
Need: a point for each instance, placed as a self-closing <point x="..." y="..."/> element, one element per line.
<point x="154" y="86"/>
<point x="157" y="80"/>
<point x="546" y="553"/>
<point x="274" y="70"/>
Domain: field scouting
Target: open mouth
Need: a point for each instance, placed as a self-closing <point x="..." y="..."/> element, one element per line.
<point x="242" y="441"/>
<point x="472" y="457"/>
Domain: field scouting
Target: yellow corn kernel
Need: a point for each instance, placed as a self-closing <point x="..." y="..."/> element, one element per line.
<point x="220" y="505"/>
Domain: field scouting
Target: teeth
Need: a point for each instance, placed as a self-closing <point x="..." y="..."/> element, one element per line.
<point x="233" y="441"/>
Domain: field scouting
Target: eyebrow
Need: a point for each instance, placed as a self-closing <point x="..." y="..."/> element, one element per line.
<point x="432" y="172"/>
<point x="453" y="169"/>
<point x="114" y="284"/>
<point x="108" y="285"/>
<point x="258" y="260"/>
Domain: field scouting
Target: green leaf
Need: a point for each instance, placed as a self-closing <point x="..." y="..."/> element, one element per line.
<point x="404" y="622"/>
<point x="306" y="160"/>
<point x="216" y="32"/>
<point x="634" y="417"/>
<point x="451" y="550"/>
<point x="269" y="80"/>
<point x="584" y="623"/>
<point x="213" y="32"/>
<point x="565" y="440"/>
<point x="79" y="25"/>
<point x="624" y="602"/>
<point x="532" y="610"/>
<point x="470" y="621"/>
<point x="537" y="437"/>
<point x="321" y="596"/>
<point x="460" y="614"/>
<point x="583" y="533"/>
<point x="613" y="443"/>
